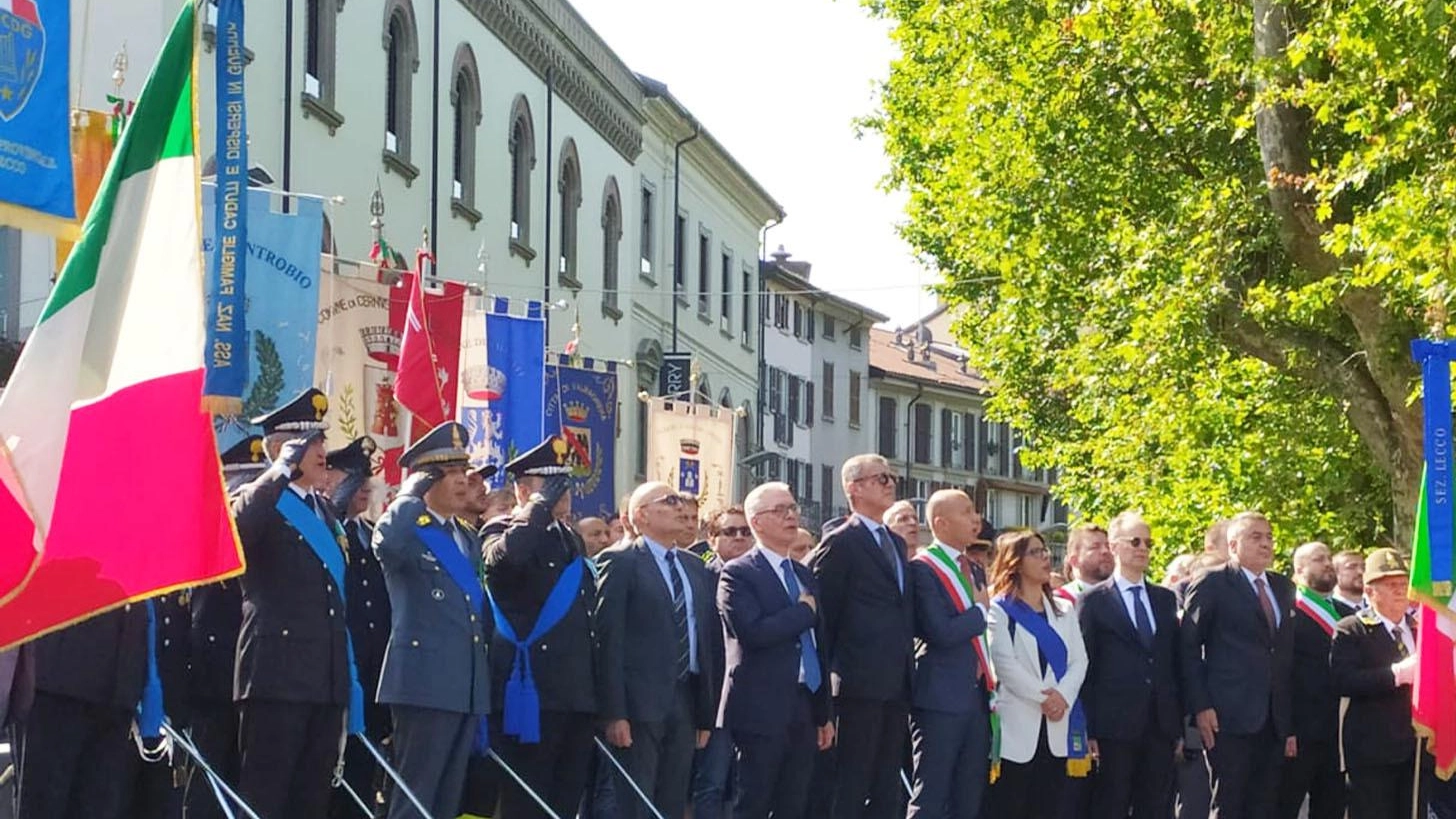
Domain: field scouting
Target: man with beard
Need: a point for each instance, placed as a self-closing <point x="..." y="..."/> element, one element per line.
<point x="350" y="470"/>
<point x="1089" y="561"/>
<point x="478" y="505"/>
<point x="1314" y="769"/>
<point x="1349" y="579"/>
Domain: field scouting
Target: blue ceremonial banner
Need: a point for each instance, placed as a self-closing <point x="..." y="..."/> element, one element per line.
<point x="37" y="188"/>
<point x="515" y="349"/>
<point x="1435" y="359"/>
<point x="581" y="403"/>
<point x="280" y="303"/>
<point x="227" y="326"/>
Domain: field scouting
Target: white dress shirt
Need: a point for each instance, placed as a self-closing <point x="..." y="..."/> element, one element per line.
<point x="1268" y="592"/>
<point x="1124" y="591"/>
<point x="659" y="556"/>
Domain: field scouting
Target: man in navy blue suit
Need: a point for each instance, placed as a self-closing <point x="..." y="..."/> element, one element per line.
<point x="949" y="720"/>
<point x="775" y="692"/>
<point x="1131" y="692"/>
<point x="868" y="619"/>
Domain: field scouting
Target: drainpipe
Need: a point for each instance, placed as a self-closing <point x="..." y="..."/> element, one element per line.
<point x="677" y="235"/>
<point x="909" y="433"/>
<point x="435" y="243"/>
<point x="546" y="251"/>
<point x="287" y="103"/>
<point x="762" y="290"/>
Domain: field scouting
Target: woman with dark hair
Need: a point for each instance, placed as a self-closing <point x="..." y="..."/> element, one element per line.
<point x="1037" y="651"/>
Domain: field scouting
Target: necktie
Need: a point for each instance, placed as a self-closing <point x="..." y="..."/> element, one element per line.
<point x="312" y="502"/>
<point x="679" y="614"/>
<point x="888" y="547"/>
<point x="1140" y="615"/>
<point x="1399" y="643"/>
<point x="1260" y="589"/>
<point x="808" y="658"/>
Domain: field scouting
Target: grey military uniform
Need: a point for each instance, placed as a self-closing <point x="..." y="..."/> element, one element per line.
<point x="435" y="676"/>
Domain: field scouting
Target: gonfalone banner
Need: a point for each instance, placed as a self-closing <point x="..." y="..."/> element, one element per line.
<point x="515" y="381"/>
<point x="472" y="400"/>
<point x="354" y="366"/>
<point x="281" y="301"/>
<point x="690" y="448"/>
<point x="581" y="403"/>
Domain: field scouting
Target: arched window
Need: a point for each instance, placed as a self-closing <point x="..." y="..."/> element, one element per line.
<point x="401" y="47"/>
<point x="522" y="145"/>
<point x="319" y="26"/>
<point x="465" y="97"/>
<point x="569" y="186"/>
<point x="611" y="246"/>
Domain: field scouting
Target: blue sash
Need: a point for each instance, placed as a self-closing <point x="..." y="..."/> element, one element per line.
<point x="522" y="717"/>
<point x="447" y="552"/>
<point x="326" y="548"/>
<point x="150" y="712"/>
<point x="1049" y="642"/>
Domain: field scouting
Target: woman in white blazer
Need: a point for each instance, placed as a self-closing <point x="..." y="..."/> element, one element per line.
<point x="1039" y="660"/>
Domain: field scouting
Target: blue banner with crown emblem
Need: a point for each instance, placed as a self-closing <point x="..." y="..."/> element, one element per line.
<point x="37" y="187"/>
<point x="581" y="403"/>
<point x="515" y="351"/>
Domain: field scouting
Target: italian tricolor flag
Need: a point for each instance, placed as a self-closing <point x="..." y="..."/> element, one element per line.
<point x="1434" y="703"/>
<point x="110" y="489"/>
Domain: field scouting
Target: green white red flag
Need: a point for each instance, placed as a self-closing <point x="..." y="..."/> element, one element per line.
<point x="1434" y="702"/>
<point x="110" y="489"/>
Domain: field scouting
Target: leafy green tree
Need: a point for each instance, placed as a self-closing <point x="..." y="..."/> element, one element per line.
<point x="1191" y="240"/>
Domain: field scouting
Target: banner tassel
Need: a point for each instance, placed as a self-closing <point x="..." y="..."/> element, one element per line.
<point x="225" y="406"/>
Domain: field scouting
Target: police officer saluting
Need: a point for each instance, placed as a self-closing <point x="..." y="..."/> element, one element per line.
<point x="350" y="469"/>
<point x="295" y="676"/>
<point x="217" y="614"/>
<point x="435" y="677"/>
<point x="1373" y="663"/>
<point x="543" y="597"/>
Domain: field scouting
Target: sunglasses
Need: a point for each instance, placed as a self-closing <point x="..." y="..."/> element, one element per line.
<point x="671" y="501"/>
<point x="882" y="478"/>
<point x="735" y="531"/>
<point x="1136" y="542"/>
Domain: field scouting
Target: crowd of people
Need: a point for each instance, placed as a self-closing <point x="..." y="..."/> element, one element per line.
<point x="488" y="654"/>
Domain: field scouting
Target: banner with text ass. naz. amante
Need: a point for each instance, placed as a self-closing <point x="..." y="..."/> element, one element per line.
<point x="114" y="370"/>
<point x="690" y="448"/>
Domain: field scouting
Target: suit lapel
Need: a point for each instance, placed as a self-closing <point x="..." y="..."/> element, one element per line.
<point x="1113" y="599"/>
<point x="1235" y="575"/>
<point x="877" y="555"/>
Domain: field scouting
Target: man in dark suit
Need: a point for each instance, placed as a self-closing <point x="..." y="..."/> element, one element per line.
<point x="154" y="787"/>
<point x="435" y="677"/>
<point x="1131" y="692"/>
<point x="1237" y="657"/>
<point x="1314" y="770"/>
<point x="775" y="696"/>
<point x="1373" y="663"/>
<point x="868" y="615"/>
<point x="730" y="538"/>
<point x="949" y="720"/>
<point x="529" y="562"/>
<point x="74" y="758"/>
<point x="350" y="469"/>
<point x="654" y="658"/>
<point x="293" y="678"/>
<point x="216" y="615"/>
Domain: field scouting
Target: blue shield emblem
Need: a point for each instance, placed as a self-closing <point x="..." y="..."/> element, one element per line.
<point x="22" y="54"/>
<point x="687" y="476"/>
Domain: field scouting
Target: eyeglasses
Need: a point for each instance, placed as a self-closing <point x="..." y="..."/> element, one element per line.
<point x="882" y="478"/>
<point x="789" y="511"/>
<point x="1136" y="542"/>
<point x="1038" y="551"/>
<point x="735" y="531"/>
<point x="673" y="501"/>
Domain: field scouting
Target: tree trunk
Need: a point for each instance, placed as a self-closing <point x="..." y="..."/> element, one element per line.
<point x="1373" y="380"/>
